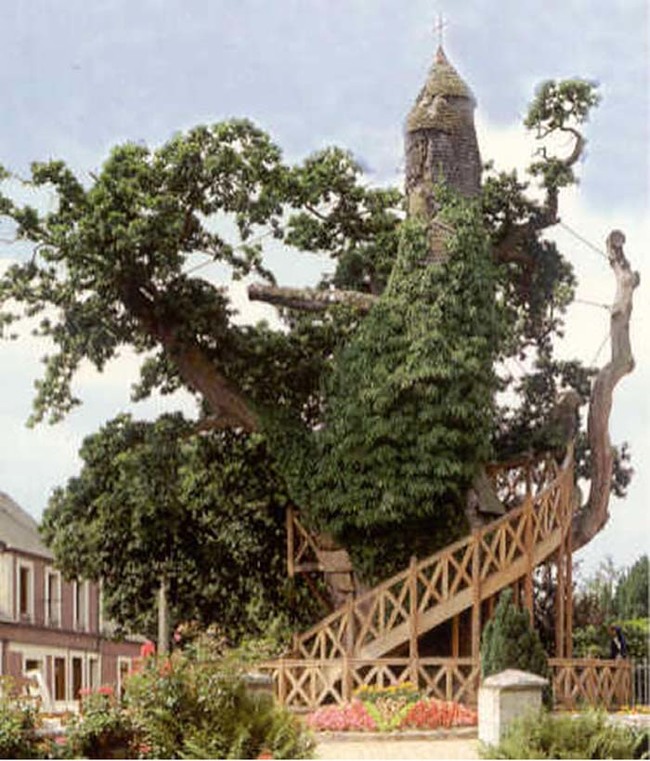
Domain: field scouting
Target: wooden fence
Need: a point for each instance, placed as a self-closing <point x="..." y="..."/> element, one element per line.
<point x="579" y="682"/>
<point x="304" y="685"/>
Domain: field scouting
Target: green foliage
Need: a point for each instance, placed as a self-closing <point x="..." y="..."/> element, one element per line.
<point x="18" y="724"/>
<point x="588" y="735"/>
<point x="114" y="258"/>
<point x="103" y="730"/>
<point x="592" y="641"/>
<point x="632" y="597"/>
<point x="561" y="105"/>
<point x="187" y="709"/>
<point x="144" y="495"/>
<point x="409" y="408"/>
<point x="510" y="642"/>
<point x="377" y="424"/>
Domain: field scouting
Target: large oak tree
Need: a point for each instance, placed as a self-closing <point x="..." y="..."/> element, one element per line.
<point x="378" y="396"/>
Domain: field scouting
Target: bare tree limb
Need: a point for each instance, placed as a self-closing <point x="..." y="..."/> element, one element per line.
<point x="593" y="516"/>
<point x="310" y="299"/>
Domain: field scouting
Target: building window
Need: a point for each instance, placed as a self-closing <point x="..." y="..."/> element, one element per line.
<point x="59" y="679"/>
<point x="77" y="676"/>
<point x="25" y="592"/>
<point x="93" y="672"/>
<point x="53" y="598"/>
<point x="81" y="605"/>
<point x="123" y="671"/>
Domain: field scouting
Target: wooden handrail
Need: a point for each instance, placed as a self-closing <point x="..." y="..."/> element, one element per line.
<point x="369" y="599"/>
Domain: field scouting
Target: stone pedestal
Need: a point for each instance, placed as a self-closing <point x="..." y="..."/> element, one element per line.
<point x="505" y="696"/>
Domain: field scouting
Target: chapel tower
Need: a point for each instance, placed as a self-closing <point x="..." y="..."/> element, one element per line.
<point x="440" y="142"/>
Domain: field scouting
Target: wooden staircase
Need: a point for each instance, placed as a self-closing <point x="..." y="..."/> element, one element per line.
<point x="391" y="617"/>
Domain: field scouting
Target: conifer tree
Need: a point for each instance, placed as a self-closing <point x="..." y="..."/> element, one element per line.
<point x="510" y="642"/>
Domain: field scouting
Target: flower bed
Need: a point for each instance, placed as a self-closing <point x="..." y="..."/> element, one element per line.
<point x="390" y="709"/>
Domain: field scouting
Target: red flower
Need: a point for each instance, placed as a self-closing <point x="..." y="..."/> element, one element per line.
<point x="431" y="714"/>
<point x="147" y="649"/>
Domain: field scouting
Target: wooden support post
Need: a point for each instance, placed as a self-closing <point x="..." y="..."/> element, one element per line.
<point x="290" y="543"/>
<point x="560" y="595"/>
<point x="568" y="647"/>
<point x="529" y="601"/>
<point x="163" y="616"/>
<point x="348" y="645"/>
<point x="346" y="680"/>
<point x="455" y="637"/>
<point x="476" y="600"/>
<point x="413" y="618"/>
<point x="282" y="684"/>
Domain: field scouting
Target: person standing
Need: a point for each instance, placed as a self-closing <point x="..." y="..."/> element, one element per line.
<point x="618" y="645"/>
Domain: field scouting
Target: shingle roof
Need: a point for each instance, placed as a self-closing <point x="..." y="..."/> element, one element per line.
<point x="431" y="109"/>
<point x="18" y="530"/>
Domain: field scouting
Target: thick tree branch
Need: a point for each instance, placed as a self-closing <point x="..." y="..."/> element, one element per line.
<point x="310" y="299"/>
<point x="194" y="366"/>
<point x="511" y="248"/>
<point x="594" y="514"/>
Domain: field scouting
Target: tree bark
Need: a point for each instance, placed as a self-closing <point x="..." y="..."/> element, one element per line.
<point x="195" y="367"/>
<point x="593" y="516"/>
<point x="511" y="248"/>
<point x="310" y="299"/>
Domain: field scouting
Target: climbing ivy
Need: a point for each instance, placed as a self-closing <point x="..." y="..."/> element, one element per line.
<point x="409" y="403"/>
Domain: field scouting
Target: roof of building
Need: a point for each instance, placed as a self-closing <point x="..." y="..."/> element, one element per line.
<point x="430" y="109"/>
<point x="18" y="530"/>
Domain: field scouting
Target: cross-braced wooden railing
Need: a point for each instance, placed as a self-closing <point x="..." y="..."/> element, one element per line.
<point x="304" y="685"/>
<point x="456" y="578"/>
<point x="588" y="681"/>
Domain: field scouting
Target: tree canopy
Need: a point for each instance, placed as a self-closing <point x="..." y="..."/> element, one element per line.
<point x="204" y="512"/>
<point x="378" y="397"/>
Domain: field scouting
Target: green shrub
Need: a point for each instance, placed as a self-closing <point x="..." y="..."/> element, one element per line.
<point x="510" y="642"/>
<point x="588" y="735"/>
<point x="190" y="709"/>
<point x="103" y="729"/>
<point x="18" y="723"/>
<point x="594" y="642"/>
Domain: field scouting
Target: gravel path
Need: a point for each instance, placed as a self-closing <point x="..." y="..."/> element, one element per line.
<point x="433" y="745"/>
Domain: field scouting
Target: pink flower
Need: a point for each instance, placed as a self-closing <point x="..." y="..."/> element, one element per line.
<point x="351" y="716"/>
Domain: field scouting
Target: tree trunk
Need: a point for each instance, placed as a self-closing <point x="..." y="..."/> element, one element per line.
<point x="593" y="516"/>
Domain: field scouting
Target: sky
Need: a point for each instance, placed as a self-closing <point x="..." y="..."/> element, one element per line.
<point x="77" y="77"/>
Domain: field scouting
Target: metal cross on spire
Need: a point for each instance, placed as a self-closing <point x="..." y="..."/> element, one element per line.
<point x="440" y="27"/>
